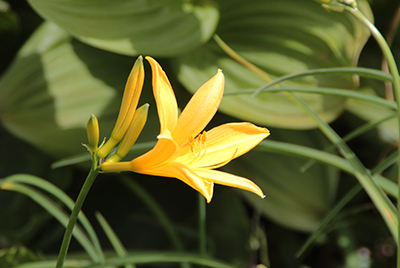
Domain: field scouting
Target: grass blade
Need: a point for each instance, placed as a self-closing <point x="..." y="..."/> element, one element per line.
<point x="365" y="72"/>
<point x="139" y="258"/>
<point x="381" y="201"/>
<point x="65" y="199"/>
<point x="55" y="211"/>
<point x="327" y="91"/>
<point x="323" y="157"/>
<point x="158" y="212"/>
<point x="113" y="238"/>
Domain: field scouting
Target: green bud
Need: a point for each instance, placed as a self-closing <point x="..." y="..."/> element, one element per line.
<point x="93" y="133"/>
<point x="132" y="134"/>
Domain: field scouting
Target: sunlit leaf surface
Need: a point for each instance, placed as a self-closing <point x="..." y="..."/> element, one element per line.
<point x="280" y="37"/>
<point x="55" y="84"/>
<point x="131" y="27"/>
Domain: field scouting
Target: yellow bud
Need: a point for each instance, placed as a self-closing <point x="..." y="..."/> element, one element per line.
<point x="93" y="133"/>
<point x="133" y="89"/>
<point x="133" y="132"/>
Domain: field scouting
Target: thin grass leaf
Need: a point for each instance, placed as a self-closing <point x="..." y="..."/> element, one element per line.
<point x="390" y="160"/>
<point x="381" y="201"/>
<point x="391" y="63"/>
<point x="343" y="202"/>
<point x="328" y="218"/>
<point x="138" y="258"/>
<point x="81" y="158"/>
<point x="364" y="72"/>
<point x="65" y="199"/>
<point x="323" y="157"/>
<point x="113" y="238"/>
<point x="158" y="212"/>
<point x="52" y="264"/>
<point x="55" y="211"/>
<point x="73" y="160"/>
<point x="327" y="91"/>
<point x="353" y="134"/>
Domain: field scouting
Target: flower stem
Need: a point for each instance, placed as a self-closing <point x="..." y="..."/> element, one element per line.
<point x="202" y="225"/>
<point x="74" y="216"/>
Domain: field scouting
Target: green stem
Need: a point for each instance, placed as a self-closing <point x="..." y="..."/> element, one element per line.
<point x="396" y="84"/>
<point x="74" y="216"/>
<point x="202" y="225"/>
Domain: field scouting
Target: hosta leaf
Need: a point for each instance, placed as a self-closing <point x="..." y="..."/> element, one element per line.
<point x="132" y="27"/>
<point x="55" y="84"/>
<point x="295" y="199"/>
<point x="280" y="37"/>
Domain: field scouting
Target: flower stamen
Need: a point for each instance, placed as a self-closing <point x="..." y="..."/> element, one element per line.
<point x="198" y="147"/>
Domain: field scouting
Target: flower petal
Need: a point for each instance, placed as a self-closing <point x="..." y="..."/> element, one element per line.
<point x="167" y="106"/>
<point x="231" y="180"/>
<point x="133" y="89"/>
<point x="165" y="151"/>
<point x="185" y="174"/>
<point x="227" y="142"/>
<point x="200" y="109"/>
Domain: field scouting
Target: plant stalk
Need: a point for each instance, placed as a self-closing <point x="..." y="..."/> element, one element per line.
<point x="202" y="225"/>
<point x="74" y="216"/>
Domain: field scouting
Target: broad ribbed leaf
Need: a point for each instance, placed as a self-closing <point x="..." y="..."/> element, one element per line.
<point x="280" y="37"/>
<point x="55" y="84"/>
<point x="295" y="199"/>
<point x="132" y="27"/>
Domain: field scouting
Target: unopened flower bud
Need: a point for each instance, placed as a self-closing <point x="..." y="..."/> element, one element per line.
<point x="133" y="89"/>
<point x="133" y="132"/>
<point x="93" y="133"/>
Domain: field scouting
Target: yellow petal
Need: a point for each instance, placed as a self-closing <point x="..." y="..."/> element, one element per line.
<point x="227" y="142"/>
<point x="165" y="151"/>
<point x="200" y="109"/>
<point x="133" y="89"/>
<point x="185" y="174"/>
<point x="167" y="106"/>
<point x="231" y="180"/>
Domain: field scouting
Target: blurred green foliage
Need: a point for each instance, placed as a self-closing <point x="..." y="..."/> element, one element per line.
<point x="61" y="61"/>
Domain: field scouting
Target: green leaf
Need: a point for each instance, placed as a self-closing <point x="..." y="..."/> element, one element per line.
<point x="327" y="158"/>
<point x="294" y="199"/>
<point x="54" y="209"/>
<point x="139" y="258"/>
<point x="55" y="84"/>
<point x="113" y="238"/>
<point x="131" y="27"/>
<point x="61" y="196"/>
<point x="280" y="37"/>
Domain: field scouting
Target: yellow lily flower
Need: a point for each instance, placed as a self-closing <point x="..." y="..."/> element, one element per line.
<point x="182" y="151"/>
